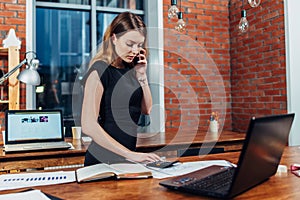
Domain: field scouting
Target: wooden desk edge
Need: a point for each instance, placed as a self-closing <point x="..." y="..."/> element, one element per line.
<point x="282" y="186"/>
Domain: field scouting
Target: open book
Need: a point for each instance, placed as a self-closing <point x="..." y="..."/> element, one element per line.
<point x="118" y="171"/>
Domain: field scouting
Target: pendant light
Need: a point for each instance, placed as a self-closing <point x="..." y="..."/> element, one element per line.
<point x="173" y="11"/>
<point x="254" y="3"/>
<point x="243" y="24"/>
<point x="180" y="25"/>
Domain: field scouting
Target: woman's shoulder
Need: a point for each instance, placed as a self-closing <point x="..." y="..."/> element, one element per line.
<point x="99" y="66"/>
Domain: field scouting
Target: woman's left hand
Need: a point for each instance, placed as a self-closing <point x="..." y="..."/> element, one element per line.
<point x="141" y="66"/>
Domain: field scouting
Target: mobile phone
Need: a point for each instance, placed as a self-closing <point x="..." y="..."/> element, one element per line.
<point x="136" y="58"/>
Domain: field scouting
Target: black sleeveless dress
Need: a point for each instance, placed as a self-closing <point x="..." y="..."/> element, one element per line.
<point x="120" y="110"/>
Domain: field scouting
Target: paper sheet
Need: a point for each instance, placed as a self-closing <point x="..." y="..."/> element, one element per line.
<point x="32" y="194"/>
<point x="184" y="168"/>
<point x="15" y="181"/>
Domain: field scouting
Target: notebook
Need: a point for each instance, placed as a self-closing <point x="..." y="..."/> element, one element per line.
<point x="260" y="156"/>
<point x="33" y="130"/>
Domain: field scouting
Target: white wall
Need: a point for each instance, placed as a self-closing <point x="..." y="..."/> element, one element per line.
<point x="292" y="27"/>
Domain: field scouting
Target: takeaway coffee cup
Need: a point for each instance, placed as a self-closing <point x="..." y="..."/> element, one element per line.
<point x="76" y="132"/>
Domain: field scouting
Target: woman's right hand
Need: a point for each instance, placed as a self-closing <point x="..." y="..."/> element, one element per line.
<point x="143" y="157"/>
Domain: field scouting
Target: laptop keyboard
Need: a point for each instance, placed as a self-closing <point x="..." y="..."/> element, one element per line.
<point x="219" y="182"/>
<point x="54" y="143"/>
<point x="37" y="146"/>
<point x="40" y="144"/>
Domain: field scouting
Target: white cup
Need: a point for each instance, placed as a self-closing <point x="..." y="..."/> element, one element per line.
<point x="76" y="132"/>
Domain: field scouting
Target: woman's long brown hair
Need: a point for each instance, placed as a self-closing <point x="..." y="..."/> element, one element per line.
<point x="124" y="22"/>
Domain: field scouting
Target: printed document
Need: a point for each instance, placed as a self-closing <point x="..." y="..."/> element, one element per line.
<point x="186" y="167"/>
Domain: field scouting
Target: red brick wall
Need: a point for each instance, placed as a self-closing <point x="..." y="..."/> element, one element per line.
<point x="258" y="78"/>
<point x="13" y="15"/>
<point x="197" y="65"/>
<point x="252" y="66"/>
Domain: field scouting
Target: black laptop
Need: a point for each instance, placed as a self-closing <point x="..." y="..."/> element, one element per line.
<point x="34" y="130"/>
<point x="262" y="150"/>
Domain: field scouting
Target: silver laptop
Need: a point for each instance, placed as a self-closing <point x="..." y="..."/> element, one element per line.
<point x="34" y="130"/>
<point x="262" y="150"/>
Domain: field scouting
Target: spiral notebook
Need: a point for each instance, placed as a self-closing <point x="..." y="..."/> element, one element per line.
<point x="34" y="130"/>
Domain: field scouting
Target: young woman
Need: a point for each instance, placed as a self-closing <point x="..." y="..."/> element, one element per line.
<point x="116" y="92"/>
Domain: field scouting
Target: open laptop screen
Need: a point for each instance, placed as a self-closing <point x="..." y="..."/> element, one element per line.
<point x="25" y="126"/>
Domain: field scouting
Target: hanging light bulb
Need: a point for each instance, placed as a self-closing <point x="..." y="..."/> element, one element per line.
<point x="173" y="11"/>
<point x="254" y="3"/>
<point x="180" y="26"/>
<point x="244" y="24"/>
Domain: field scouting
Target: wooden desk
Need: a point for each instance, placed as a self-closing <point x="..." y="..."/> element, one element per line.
<point x="280" y="186"/>
<point x="170" y="143"/>
<point x="161" y="143"/>
<point x="42" y="159"/>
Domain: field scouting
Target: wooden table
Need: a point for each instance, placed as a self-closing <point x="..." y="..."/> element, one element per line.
<point x="160" y="143"/>
<point x="41" y="159"/>
<point x="280" y="186"/>
<point x="172" y="143"/>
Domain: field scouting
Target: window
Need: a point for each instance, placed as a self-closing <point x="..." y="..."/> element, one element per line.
<point x="63" y="42"/>
<point x="83" y="2"/>
<point x="130" y="4"/>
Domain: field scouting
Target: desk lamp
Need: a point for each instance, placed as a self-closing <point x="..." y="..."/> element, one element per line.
<point x="29" y="75"/>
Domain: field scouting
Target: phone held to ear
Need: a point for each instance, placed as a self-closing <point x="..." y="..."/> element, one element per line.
<point x="137" y="58"/>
